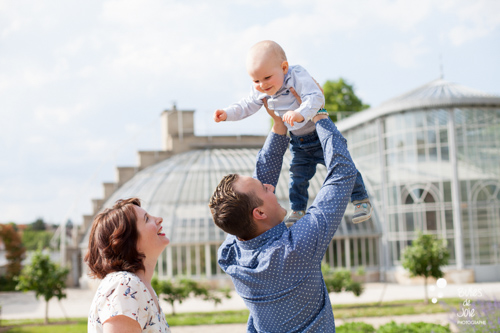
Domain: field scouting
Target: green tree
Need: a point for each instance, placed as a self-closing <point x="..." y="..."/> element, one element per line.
<point x="203" y="291"/>
<point x="38" y="225"/>
<point x="425" y="257"/>
<point x="342" y="279"/>
<point x="45" y="278"/>
<point x="340" y="97"/>
<point x="36" y="240"/>
<point x="14" y="248"/>
<point x="178" y="291"/>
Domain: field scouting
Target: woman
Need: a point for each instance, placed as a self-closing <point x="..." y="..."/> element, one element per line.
<point x="124" y="245"/>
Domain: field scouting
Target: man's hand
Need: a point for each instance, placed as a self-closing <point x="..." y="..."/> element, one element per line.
<point x="220" y="115"/>
<point x="291" y="117"/>
<point x="278" y="125"/>
<point x="318" y="117"/>
<point x="297" y="96"/>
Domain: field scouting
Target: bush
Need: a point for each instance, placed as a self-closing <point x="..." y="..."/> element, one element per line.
<point x="420" y="327"/>
<point x="342" y="279"/>
<point x="358" y="327"/>
<point x="179" y="290"/>
<point x="7" y="284"/>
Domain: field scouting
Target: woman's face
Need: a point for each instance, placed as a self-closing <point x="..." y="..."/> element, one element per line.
<point x="152" y="241"/>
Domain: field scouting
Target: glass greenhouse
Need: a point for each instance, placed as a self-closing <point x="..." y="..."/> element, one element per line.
<point x="430" y="160"/>
<point x="179" y="188"/>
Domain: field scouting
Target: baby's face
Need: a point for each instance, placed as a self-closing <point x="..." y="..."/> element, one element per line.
<point x="268" y="76"/>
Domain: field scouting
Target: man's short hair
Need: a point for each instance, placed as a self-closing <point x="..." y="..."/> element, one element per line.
<point x="232" y="211"/>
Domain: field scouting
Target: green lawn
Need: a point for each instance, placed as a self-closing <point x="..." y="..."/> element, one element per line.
<point x="394" y="308"/>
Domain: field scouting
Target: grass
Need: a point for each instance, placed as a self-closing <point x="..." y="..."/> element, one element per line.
<point x="72" y="325"/>
<point x="394" y="308"/>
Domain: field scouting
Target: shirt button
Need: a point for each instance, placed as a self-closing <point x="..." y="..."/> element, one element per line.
<point x="301" y="139"/>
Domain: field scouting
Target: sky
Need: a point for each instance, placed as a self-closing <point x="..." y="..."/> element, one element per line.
<point x="83" y="83"/>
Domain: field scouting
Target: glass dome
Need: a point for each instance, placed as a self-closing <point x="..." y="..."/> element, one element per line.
<point x="179" y="188"/>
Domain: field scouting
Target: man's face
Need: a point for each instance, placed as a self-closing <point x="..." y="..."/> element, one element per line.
<point x="265" y="192"/>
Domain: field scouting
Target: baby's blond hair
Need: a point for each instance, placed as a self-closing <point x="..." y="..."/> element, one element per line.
<point x="266" y="50"/>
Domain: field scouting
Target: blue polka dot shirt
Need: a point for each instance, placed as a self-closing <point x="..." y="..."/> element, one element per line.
<point x="278" y="274"/>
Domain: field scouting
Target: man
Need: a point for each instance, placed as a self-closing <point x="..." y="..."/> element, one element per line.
<point x="275" y="269"/>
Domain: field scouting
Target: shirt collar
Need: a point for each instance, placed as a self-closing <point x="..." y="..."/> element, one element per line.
<point x="284" y="90"/>
<point x="262" y="239"/>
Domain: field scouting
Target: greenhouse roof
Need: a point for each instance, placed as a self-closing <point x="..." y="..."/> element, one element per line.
<point x="178" y="189"/>
<point x="433" y="95"/>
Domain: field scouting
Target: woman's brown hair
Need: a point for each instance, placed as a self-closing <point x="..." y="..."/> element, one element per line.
<point x="113" y="240"/>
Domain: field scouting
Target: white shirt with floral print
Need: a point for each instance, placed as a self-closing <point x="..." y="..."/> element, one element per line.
<point x="123" y="293"/>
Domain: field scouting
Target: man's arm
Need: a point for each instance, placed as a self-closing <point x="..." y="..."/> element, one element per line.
<point x="270" y="157"/>
<point x="322" y="219"/>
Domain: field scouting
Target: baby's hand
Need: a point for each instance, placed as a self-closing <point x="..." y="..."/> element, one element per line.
<point x="293" y="116"/>
<point x="220" y="115"/>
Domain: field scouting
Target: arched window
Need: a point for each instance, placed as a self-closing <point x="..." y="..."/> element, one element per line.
<point x="421" y="214"/>
<point x="486" y="221"/>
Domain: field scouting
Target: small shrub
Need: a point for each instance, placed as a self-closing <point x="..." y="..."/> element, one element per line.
<point x="177" y="291"/>
<point x="7" y="284"/>
<point x="358" y="327"/>
<point x="337" y="280"/>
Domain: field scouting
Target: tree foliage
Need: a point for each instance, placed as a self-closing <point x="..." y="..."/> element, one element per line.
<point x="14" y="248"/>
<point x="338" y="280"/>
<point x="45" y="278"/>
<point x="340" y="97"/>
<point x="425" y="257"/>
<point x="37" y="240"/>
<point x="180" y="290"/>
<point x="38" y="225"/>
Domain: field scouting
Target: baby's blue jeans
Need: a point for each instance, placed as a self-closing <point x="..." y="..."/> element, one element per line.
<point x="306" y="154"/>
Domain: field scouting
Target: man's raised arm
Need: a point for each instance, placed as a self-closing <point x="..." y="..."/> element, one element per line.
<point x="270" y="157"/>
<point x="325" y="214"/>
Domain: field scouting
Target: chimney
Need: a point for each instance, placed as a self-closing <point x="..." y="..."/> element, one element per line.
<point x="177" y="128"/>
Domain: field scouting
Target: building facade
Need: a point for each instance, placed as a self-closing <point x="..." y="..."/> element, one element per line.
<point x="179" y="186"/>
<point x="430" y="160"/>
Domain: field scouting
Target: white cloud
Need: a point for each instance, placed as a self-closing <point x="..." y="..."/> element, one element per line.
<point x="462" y="34"/>
<point x="51" y="117"/>
<point x="406" y="55"/>
<point x="402" y="14"/>
<point x="476" y="19"/>
<point x="11" y="28"/>
<point x="35" y="139"/>
<point x="79" y="80"/>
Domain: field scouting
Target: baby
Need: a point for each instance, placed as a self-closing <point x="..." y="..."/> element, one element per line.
<point x="273" y="79"/>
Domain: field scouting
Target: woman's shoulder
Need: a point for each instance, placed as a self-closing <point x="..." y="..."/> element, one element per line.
<point x="121" y="275"/>
<point x="122" y="278"/>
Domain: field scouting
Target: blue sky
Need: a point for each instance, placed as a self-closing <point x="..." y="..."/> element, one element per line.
<point x="83" y="83"/>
